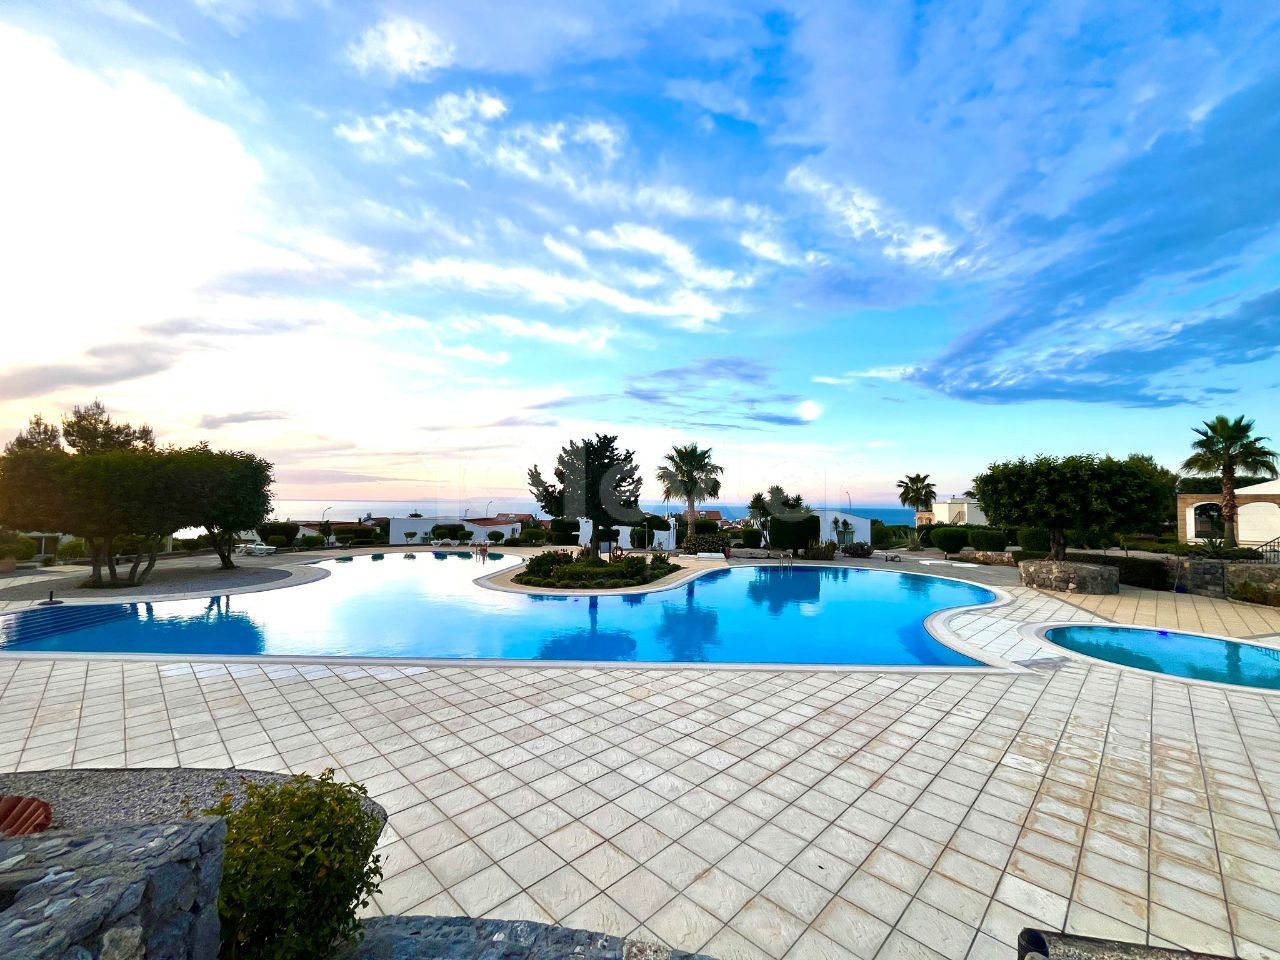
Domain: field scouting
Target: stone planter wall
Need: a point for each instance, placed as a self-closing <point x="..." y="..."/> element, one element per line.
<point x="1204" y="578"/>
<point x="126" y="893"/>
<point x="999" y="558"/>
<point x="1064" y="576"/>
<point x="1249" y="582"/>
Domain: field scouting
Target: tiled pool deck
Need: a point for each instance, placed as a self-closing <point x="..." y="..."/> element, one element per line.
<point x="755" y="814"/>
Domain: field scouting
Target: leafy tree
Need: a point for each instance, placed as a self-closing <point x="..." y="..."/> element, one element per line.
<point x="915" y="491"/>
<point x="595" y="480"/>
<point x="1061" y="493"/>
<point x="1227" y="447"/>
<point x="776" y="503"/>
<point x="39" y="435"/>
<point x="691" y="476"/>
<point x="91" y="430"/>
<point x="230" y="491"/>
<point x="1167" y="482"/>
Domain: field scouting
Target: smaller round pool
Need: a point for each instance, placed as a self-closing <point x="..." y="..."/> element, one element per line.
<point x="1179" y="654"/>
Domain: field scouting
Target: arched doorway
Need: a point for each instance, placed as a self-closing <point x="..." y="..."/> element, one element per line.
<point x="1208" y="525"/>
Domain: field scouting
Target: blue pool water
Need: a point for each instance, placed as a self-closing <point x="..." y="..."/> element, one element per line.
<point x="430" y="606"/>
<point x="1179" y="654"/>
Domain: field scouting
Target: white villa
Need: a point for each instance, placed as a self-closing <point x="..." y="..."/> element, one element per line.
<point x="1200" y="515"/>
<point x="859" y="527"/>
<point x="953" y="510"/>
<point x="480" y="527"/>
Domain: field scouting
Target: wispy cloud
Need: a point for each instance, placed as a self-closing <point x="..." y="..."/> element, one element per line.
<point x="400" y="47"/>
<point x="214" y="421"/>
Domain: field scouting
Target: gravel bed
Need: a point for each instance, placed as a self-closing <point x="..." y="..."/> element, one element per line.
<point x="100" y="798"/>
<point x="161" y="582"/>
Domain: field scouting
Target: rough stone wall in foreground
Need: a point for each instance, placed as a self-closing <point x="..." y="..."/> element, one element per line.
<point x="128" y="893"/>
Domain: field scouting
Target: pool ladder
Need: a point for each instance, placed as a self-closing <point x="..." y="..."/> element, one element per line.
<point x="786" y="560"/>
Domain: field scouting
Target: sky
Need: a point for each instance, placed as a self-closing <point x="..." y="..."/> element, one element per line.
<point x="408" y="249"/>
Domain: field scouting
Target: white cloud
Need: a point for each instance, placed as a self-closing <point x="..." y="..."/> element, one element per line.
<point x="127" y="13"/>
<point x="866" y="217"/>
<point x="767" y="248"/>
<point x="453" y="119"/>
<point x="675" y="254"/>
<point x="400" y="47"/>
<point x="565" y="251"/>
<point x="808" y="410"/>
<point x="875" y="373"/>
<point x="685" y="308"/>
<point x="594" y="339"/>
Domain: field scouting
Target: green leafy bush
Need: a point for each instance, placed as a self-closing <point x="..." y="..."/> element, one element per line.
<point x="543" y="564"/>
<point x="464" y="536"/>
<point x="344" y="538"/>
<point x="564" y="539"/>
<point x="276" y="541"/>
<point x="448" y="531"/>
<point x="310" y="541"/>
<point x="991" y="539"/>
<point x="586" y="572"/>
<point x="949" y="539"/>
<point x="821" y="551"/>
<point x="641" y="538"/>
<point x="752" y="538"/>
<point x="512" y="542"/>
<point x="795" y="534"/>
<point x="494" y="536"/>
<point x="288" y="532"/>
<point x="18" y="548"/>
<point x="564" y="525"/>
<point x="924" y="533"/>
<point x="72" y="550"/>
<point x="298" y="865"/>
<point x="533" y="536"/>
<point x="705" y="543"/>
<point x="1033" y="538"/>
<point x="706" y="526"/>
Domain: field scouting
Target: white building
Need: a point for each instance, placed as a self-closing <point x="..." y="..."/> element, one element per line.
<point x="480" y="527"/>
<point x="958" y="510"/>
<point x="859" y="527"/>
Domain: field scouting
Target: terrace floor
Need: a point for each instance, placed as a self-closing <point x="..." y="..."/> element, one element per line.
<point x="747" y="814"/>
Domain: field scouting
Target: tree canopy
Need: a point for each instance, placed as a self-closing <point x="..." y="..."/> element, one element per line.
<point x="594" y="479"/>
<point x="1062" y="493"/>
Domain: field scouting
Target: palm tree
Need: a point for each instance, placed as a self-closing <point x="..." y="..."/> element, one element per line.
<point x="916" y="491"/>
<point x="1227" y="447"/>
<point x="691" y="476"/>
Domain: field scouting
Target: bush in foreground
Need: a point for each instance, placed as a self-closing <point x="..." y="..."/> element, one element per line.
<point x="705" y="543"/>
<point x="950" y="539"/>
<point x="563" y="570"/>
<point x="298" y="865"/>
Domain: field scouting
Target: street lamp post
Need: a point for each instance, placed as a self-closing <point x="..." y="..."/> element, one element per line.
<point x="322" y="513"/>
<point x="486" y="507"/>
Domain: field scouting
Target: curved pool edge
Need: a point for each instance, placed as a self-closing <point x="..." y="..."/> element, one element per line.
<point x="936" y="625"/>
<point x="1038" y="632"/>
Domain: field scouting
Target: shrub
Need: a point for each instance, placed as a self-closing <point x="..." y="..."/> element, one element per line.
<point x="533" y="536"/>
<point x="512" y="542"/>
<point x="544" y="563"/>
<point x="608" y="534"/>
<point x="924" y="533"/>
<point x="297" y="866"/>
<point x="991" y="539"/>
<point x="464" y="536"/>
<point x="310" y="541"/>
<point x="1255" y="593"/>
<point x="17" y="548"/>
<point x="1033" y="538"/>
<point x="410" y="536"/>
<point x="563" y="525"/>
<point x="494" y="536"/>
<point x="795" y="534"/>
<point x="706" y="526"/>
<point x="287" y="532"/>
<point x="566" y="539"/>
<point x="752" y="538"/>
<point x="344" y="538"/>
<point x="72" y="550"/>
<point x="275" y="541"/>
<point x="949" y="539"/>
<point x="705" y="543"/>
<point x="447" y="531"/>
<point x="857" y="549"/>
<point x="820" y="551"/>
<point x="641" y="538"/>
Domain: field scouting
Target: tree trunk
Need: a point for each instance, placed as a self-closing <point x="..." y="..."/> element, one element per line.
<point x="1057" y="544"/>
<point x="1229" y="506"/>
<point x="691" y="514"/>
<point x="222" y="546"/>
<point x="146" y="571"/>
<point x="108" y="548"/>
<point x="95" y="556"/>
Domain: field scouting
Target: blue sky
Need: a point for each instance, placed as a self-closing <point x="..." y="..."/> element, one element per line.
<point x="407" y="249"/>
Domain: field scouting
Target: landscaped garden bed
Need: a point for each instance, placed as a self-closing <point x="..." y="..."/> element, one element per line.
<point x="563" y="570"/>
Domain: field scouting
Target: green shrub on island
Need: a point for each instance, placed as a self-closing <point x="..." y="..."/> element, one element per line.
<point x="561" y="569"/>
<point x="297" y="867"/>
<point x="705" y="543"/>
<point x="989" y="539"/>
<point x="949" y="539"/>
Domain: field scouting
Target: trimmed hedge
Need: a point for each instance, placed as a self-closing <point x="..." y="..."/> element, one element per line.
<point x="705" y="543"/>
<point x="72" y="550"/>
<point x="286" y="531"/>
<point x="447" y="531"/>
<point x="706" y="526"/>
<point x="752" y="538"/>
<point x="310" y="541"/>
<point x="991" y="539"/>
<point x="858" y="550"/>
<point x="564" y="539"/>
<point x="277" y="541"/>
<point x="564" y="525"/>
<point x="533" y="536"/>
<point x="494" y="536"/>
<point x="950" y="539"/>
<point x="1033" y="538"/>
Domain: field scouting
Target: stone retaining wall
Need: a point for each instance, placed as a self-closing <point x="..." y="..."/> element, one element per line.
<point x="128" y="893"/>
<point x="1065" y="576"/>
<point x="999" y="558"/>
<point x="1250" y="582"/>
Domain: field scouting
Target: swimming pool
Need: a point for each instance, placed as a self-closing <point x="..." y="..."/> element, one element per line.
<point x="428" y="605"/>
<point x="1179" y="654"/>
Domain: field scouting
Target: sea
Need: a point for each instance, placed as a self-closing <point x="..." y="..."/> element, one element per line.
<point x="344" y="510"/>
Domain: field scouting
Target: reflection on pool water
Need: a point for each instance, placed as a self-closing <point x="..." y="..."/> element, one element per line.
<point x="1179" y="654"/>
<point x="428" y="605"/>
